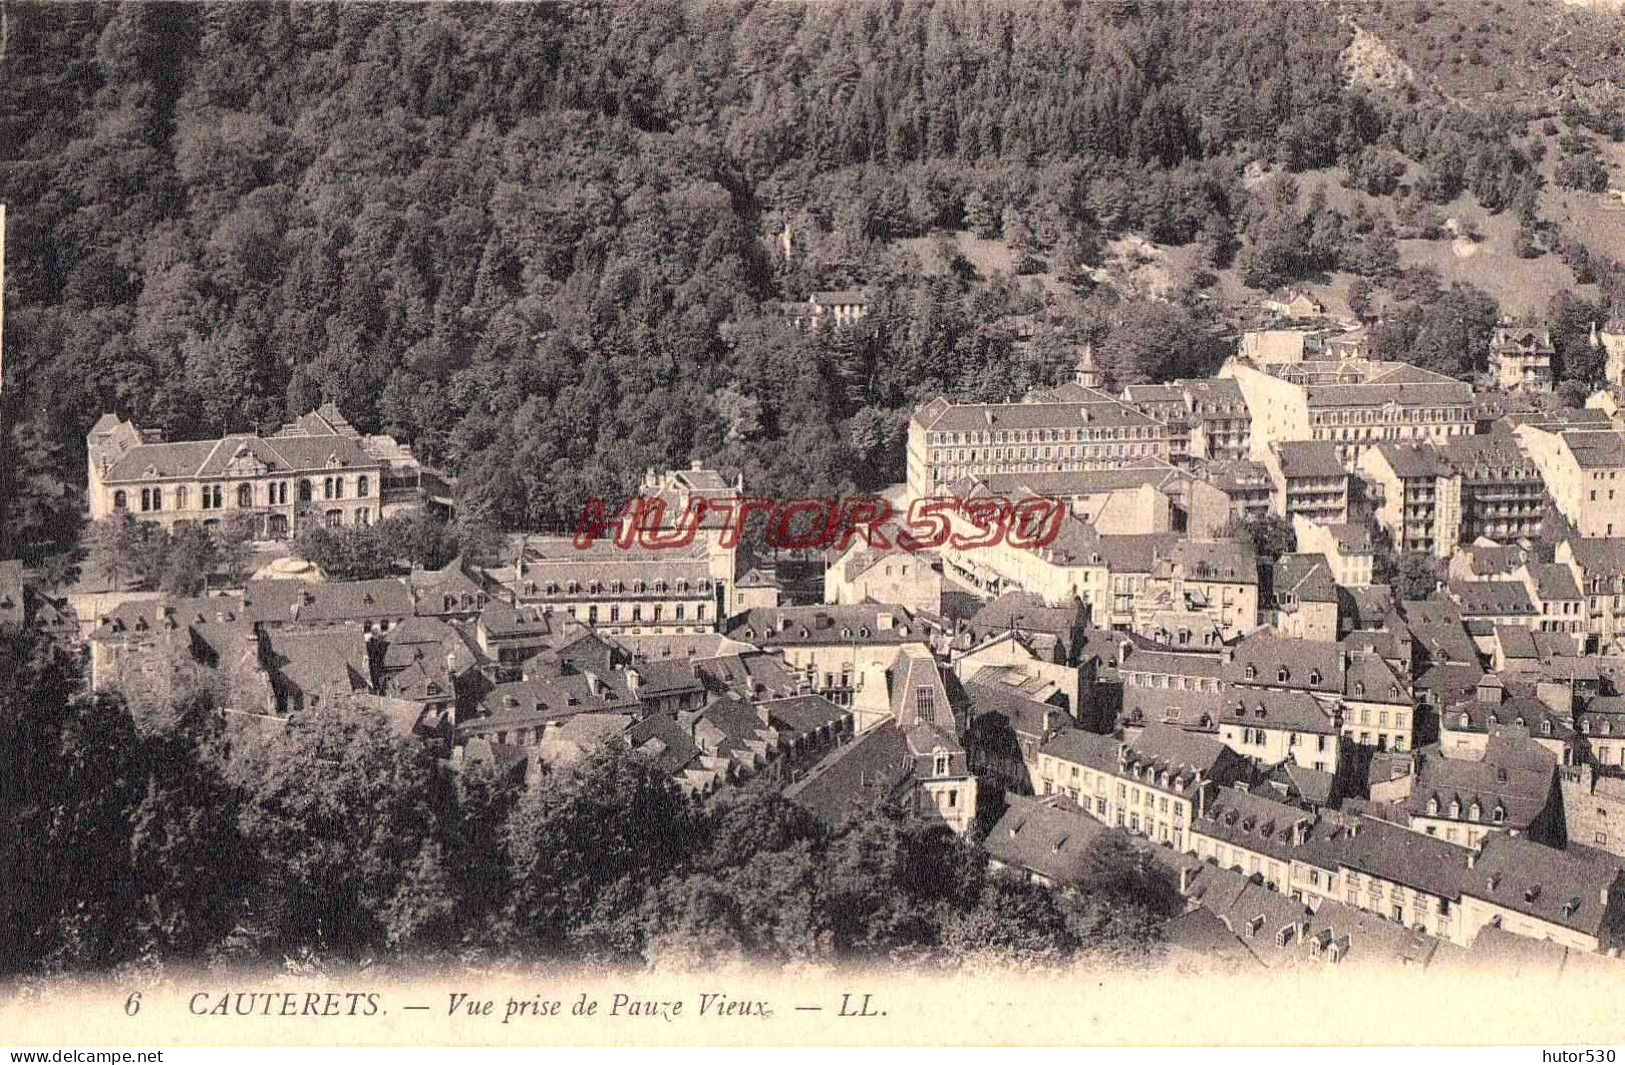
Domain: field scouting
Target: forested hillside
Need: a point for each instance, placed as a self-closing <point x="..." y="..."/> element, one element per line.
<point x="543" y="242"/>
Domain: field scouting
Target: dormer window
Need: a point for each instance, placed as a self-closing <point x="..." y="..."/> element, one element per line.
<point x="1605" y="727"/>
<point x="1519" y="722"/>
<point x="1359" y="688"/>
<point x="1455" y="808"/>
<point x="1474" y="812"/>
<point x="1314" y="676"/>
<point x="1433" y="806"/>
<point x="1500" y="814"/>
<point x="1546" y="727"/>
<point x="1282" y="675"/>
<point x="1252" y="672"/>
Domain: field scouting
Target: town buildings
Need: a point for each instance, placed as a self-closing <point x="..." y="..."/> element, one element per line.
<point x="1310" y="482"/>
<point x="948" y="441"/>
<point x="1503" y="496"/>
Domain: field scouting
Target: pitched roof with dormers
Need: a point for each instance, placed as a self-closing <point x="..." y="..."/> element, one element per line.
<point x="308" y="603"/>
<point x="866" y="624"/>
<point x="1395" y="854"/>
<point x="1255" y="822"/>
<point x="1491" y="598"/>
<point x="1370" y="678"/>
<point x="1510" y="787"/>
<point x="1559" y="887"/>
<point x="1311" y="665"/>
<point x="941" y="415"/>
<point x="1291" y="711"/>
<point x="752" y="674"/>
<point x="1041" y="836"/>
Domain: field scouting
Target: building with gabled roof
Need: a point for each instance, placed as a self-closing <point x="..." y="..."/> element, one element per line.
<point x="1310" y="481"/>
<point x="948" y="441"/>
<point x="1271" y="727"/>
<point x="1417" y="494"/>
<point x="1511" y="788"/>
<point x="1584" y="473"/>
<point x="1304" y="601"/>
<point x="1521" y="357"/>
<point x="316" y="471"/>
<point x="1518" y="886"/>
<point x="1043" y="841"/>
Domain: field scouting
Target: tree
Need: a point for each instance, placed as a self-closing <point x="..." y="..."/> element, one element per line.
<point x="113" y="546"/>
<point x="1270" y="535"/>
<point x="347" y="822"/>
<point x="233" y="546"/>
<point x="1359" y="297"/>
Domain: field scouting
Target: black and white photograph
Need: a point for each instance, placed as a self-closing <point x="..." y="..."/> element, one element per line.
<point x="651" y="522"/>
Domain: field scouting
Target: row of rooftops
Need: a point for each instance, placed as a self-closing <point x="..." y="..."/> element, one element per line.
<point x="321" y="440"/>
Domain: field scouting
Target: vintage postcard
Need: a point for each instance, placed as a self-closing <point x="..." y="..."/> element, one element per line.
<point x="979" y="522"/>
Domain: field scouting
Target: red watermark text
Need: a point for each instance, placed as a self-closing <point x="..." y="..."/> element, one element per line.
<point x="823" y="522"/>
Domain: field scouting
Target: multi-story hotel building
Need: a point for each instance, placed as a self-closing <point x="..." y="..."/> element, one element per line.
<point x="1521" y="358"/>
<point x="1205" y="419"/>
<point x="1502" y="494"/>
<point x="1310" y="482"/>
<point x="1584" y="471"/>
<point x="1417" y="496"/>
<point x="1391" y="401"/>
<point x="316" y="471"/>
<point x="948" y="441"/>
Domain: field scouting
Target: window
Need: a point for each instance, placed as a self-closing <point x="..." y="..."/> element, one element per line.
<point x="327" y="488"/>
<point x="245" y="496"/>
<point x="925" y="703"/>
<point x="120" y="501"/>
<point x="181" y="497"/>
<point x="362" y="485"/>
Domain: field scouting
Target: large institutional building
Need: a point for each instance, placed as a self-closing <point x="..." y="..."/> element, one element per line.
<point x="948" y="441"/>
<point x="317" y="470"/>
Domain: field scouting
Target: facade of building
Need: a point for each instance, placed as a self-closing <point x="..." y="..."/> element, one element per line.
<point x="317" y="471"/>
<point x="1248" y="486"/>
<point x="1502" y="494"/>
<point x="1305" y="598"/>
<point x="949" y="441"/>
<point x="1391" y="401"/>
<point x="1521" y="358"/>
<point x="1347" y="549"/>
<point x="1310" y="482"/>
<point x="1584" y="475"/>
<point x="1417" y="496"/>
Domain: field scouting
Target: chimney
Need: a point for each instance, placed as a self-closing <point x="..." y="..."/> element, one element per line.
<point x="1602" y="895"/>
<point x="1184" y="880"/>
<point x="763" y="715"/>
<point x="1049" y="724"/>
<point x="1300" y="832"/>
<point x="884" y="621"/>
<point x="1472" y="858"/>
<point x="633" y="680"/>
<point x="696" y="466"/>
<point x="1354" y="829"/>
<point x="592" y="682"/>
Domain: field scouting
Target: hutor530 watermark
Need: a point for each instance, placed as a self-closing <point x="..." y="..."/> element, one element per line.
<point x="800" y="524"/>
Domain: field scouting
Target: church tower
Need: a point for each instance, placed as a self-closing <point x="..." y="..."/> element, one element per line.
<point x="1087" y="374"/>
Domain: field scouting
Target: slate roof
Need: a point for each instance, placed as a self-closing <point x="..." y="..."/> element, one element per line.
<point x="1224" y="561"/>
<point x="1094" y="413"/>
<point x="753" y="674"/>
<point x="330" y="662"/>
<point x="660" y="738"/>
<point x="1596" y="449"/>
<point x="1254" y="822"/>
<point x="873" y="768"/>
<point x="1308" y="577"/>
<point x="1491" y="598"/>
<point x="1416" y="460"/>
<point x="1521" y="796"/>
<point x="1294" y="711"/>
<point x="1316" y="459"/>
<point x="209" y="458"/>
<point x="275" y="601"/>
<point x="1552" y="885"/>
<point x="1398" y="855"/>
<point x="990" y="695"/>
<point x="866" y="624"/>
<point x="1044" y="837"/>
<point x="1553" y="581"/>
<point x="1312" y="665"/>
<point x="1370" y="678"/>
